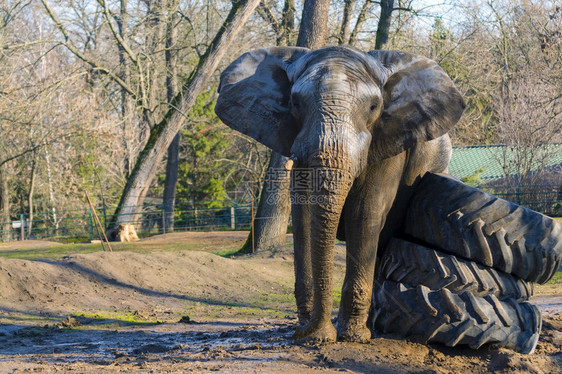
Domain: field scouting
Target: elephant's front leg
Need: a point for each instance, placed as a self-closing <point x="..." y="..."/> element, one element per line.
<point x="303" y="267"/>
<point x="365" y="213"/>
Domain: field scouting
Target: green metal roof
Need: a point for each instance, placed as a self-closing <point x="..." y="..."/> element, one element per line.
<point x="490" y="160"/>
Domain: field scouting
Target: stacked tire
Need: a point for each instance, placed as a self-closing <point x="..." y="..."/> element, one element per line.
<point x="464" y="267"/>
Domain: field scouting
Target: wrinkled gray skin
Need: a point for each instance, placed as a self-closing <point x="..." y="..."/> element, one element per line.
<point x="368" y="125"/>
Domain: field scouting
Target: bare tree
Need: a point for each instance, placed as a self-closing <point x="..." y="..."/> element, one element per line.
<point x="172" y="89"/>
<point x="164" y="132"/>
<point x="530" y="119"/>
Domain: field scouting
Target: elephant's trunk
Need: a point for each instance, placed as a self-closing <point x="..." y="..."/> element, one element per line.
<point x="326" y="203"/>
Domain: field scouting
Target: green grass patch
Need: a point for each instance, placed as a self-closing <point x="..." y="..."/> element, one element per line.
<point x="52" y="252"/>
<point x="56" y="252"/>
<point x="227" y="253"/>
<point x="336" y="294"/>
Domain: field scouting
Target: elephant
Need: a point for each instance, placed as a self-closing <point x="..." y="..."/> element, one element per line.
<point x="361" y="129"/>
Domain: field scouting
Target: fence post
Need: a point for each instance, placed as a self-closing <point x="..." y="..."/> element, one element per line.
<point x="91" y="224"/>
<point x="163" y="218"/>
<point x="22" y="229"/>
<point x="232" y="217"/>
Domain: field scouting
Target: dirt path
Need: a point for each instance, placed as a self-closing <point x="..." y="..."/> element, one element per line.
<point x="120" y="311"/>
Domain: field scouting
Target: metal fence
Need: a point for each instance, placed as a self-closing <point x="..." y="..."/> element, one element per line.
<point x="80" y="225"/>
<point x="545" y="199"/>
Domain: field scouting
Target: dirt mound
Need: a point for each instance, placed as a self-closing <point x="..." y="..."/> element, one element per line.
<point x="127" y="281"/>
<point x="121" y="311"/>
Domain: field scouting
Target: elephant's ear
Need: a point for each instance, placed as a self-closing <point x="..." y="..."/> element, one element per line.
<point x="254" y="95"/>
<point x="420" y="103"/>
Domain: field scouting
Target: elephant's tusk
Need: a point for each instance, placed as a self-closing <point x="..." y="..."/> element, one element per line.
<point x="289" y="165"/>
<point x="290" y="162"/>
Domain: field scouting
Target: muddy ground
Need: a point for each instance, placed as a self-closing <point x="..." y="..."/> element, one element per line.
<point x="153" y="307"/>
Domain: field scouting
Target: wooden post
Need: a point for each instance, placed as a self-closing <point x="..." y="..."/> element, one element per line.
<point x="253" y="228"/>
<point x="98" y="221"/>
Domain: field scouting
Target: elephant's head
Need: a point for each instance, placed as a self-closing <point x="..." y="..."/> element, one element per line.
<point x="335" y="110"/>
<point x="337" y="105"/>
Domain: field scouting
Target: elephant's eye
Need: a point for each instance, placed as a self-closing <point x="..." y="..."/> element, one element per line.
<point x="374" y="106"/>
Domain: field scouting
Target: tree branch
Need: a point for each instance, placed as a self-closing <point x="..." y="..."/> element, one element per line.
<point x="29" y="150"/>
<point x="118" y="38"/>
<point x="265" y="12"/>
<point x="68" y="44"/>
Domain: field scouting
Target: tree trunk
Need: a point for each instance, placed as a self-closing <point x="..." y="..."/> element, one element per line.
<point x="164" y="132"/>
<point x="272" y="216"/>
<point x="170" y="183"/>
<point x="314" y="24"/>
<point x="172" y="162"/>
<point x="157" y="40"/>
<point x="360" y="21"/>
<point x="5" y="206"/>
<point x="54" y="214"/>
<point x="127" y="100"/>
<point x="383" y="28"/>
<point x="30" y="196"/>
<point x="344" y="32"/>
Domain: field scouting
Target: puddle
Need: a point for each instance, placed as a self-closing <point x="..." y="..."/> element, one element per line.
<point x="164" y="339"/>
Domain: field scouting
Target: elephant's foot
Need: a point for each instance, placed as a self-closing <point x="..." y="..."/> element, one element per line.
<point x="315" y="333"/>
<point x="353" y="331"/>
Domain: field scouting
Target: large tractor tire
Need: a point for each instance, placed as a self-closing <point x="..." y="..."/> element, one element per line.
<point x="452" y="319"/>
<point x="414" y="264"/>
<point x="466" y="222"/>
